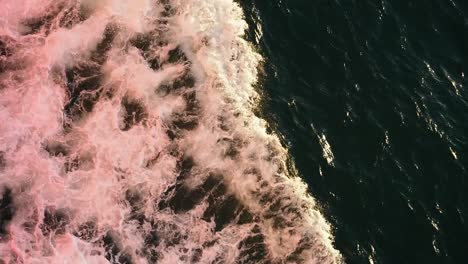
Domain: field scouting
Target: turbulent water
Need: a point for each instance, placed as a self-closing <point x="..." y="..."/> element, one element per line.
<point x="128" y="135"/>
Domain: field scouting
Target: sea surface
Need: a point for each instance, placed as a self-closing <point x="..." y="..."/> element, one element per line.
<point x="370" y="99"/>
<point x="233" y="132"/>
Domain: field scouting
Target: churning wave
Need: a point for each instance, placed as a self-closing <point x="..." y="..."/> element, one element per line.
<point x="127" y="136"/>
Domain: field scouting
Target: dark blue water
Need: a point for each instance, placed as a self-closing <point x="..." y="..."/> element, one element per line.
<point x="371" y="99"/>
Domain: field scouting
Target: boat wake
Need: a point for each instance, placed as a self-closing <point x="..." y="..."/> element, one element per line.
<point x="127" y="136"/>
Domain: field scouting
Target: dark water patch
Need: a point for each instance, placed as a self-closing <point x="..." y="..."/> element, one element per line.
<point x="108" y="92"/>
<point x="185" y="166"/>
<point x="146" y="43"/>
<point x="179" y="197"/>
<point x="55" y="221"/>
<point x="266" y="198"/>
<point x="72" y="16"/>
<point x="83" y="82"/>
<point x="196" y="255"/>
<point x="82" y="105"/>
<point x="272" y="201"/>
<point x="219" y="259"/>
<point x="151" y="242"/>
<point x="211" y="182"/>
<point x="254" y="172"/>
<point x="225" y="213"/>
<point x="188" y="119"/>
<point x="280" y="223"/>
<point x="7" y="211"/>
<point x="245" y="217"/>
<point x="134" y="199"/>
<point x="168" y="10"/>
<point x="136" y="202"/>
<point x="185" y="122"/>
<point x="143" y="42"/>
<point x="153" y="160"/>
<point x="3" y="68"/>
<point x="305" y="243"/>
<point x="17" y="67"/>
<point x="273" y="153"/>
<point x="103" y="47"/>
<point x="253" y="249"/>
<point x="115" y="253"/>
<point x="56" y="73"/>
<point x="185" y="198"/>
<point x="87" y="231"/>
<point x="69" y="19"/>
<point x="83" y="78"/>
<point x="3" y="161"/>
<point x="172" y="134"/>
<point x="134" y="113"/>
<point x="5" y="49"/>
<point x="231" y="146"/>
<point x="223" y="123"/>
<point x="177" y="55"/>
<point x="150" y="44"/>
<point x="170" y="235"/>
<point x="34" y="25"/>
<point x="216" y="197"/>
<point x="185" y="80"/>
<point x="164" y="89"/>
<point x="223" y="208"/>
<point x="279" y="207"/>
<point x="42" y="23"/>
<point x="85" y="11"/>
<point x="210" y="243"/>
<point x="56" y="149"/>
<point x="192" y="105"/>
<point x="31" y="222"/>
<point x="174" y="150"/>
<point x="72" y="164"/>
<point x="154" y="63"/>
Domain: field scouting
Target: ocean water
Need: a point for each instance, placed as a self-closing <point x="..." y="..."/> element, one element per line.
<point x="223" y="131"/>
<point x="370" y="98"/>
